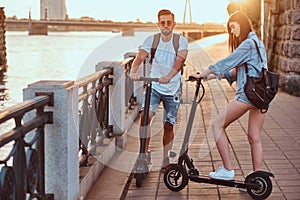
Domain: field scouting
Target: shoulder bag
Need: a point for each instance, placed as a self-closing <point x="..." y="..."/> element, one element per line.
<point x="261" y="90"/>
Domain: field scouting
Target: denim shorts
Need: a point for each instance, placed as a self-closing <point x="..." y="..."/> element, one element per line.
<point x="241" y="97"/>
<point x="170" y="103"/>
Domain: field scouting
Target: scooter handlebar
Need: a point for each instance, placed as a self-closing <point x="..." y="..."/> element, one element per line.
<point x="148" y="79"/>
<point x="199" y="84"/>
<point x="192" y="78"/>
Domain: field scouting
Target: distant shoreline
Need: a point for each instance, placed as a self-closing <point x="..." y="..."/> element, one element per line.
<point x="98" y="25"/>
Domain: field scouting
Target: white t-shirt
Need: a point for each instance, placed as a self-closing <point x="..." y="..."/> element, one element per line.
<point x="163" y="62"/>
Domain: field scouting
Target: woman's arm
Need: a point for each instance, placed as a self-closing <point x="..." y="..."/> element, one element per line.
<point x="208" y="75"/>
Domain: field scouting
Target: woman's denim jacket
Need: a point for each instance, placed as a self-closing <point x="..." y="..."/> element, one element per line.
<point x="245" y="53"/>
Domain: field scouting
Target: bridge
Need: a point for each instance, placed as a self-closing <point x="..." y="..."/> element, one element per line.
<point x="193" y="30"/>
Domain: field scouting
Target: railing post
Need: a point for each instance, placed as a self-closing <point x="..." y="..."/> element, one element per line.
<point x="117" y="110"/>
<point x="61" y="138"/>
<point x="116" y="95"/>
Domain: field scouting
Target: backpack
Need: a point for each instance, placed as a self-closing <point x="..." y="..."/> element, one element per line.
<point x="261" y="91"/>
<point x="156" y="41"/>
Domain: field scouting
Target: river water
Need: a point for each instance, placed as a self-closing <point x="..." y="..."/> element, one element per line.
<point x="63" y="56"/>
<point x="57" y="56"/>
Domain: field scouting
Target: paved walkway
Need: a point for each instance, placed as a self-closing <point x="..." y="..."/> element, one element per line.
<point x="280" y="138"/>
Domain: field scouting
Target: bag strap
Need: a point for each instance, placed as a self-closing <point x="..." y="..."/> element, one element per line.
<point x="156" y="42"/>
<point x="176" y="42"/>
<point x="154" y="46"/>
<point x="257" y="49"/>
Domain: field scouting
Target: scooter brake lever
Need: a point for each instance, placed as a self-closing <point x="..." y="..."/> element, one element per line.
<point x="192" y="78"/>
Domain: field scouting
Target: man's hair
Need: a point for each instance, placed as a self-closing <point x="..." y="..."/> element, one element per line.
<point x="165" y="12"/>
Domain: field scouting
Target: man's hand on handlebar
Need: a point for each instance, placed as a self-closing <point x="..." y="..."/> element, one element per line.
<point x="137" y="77"/>
<point x="164" y="79"/>
<point x="134" y="76"/>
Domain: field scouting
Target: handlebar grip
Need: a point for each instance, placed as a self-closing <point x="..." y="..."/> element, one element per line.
<point x="149" y="79"/>
<point x="192" y="78"/>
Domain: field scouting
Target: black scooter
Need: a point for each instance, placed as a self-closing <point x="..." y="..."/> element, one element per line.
<point x="176" y="176"/>
<point x="142" y="168"/>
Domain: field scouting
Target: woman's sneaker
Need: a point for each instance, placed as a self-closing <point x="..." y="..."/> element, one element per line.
<point x="222" y="174"/>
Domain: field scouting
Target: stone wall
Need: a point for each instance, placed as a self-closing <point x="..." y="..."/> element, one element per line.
<point x="284" y="42"/>
<point x="3" y="62"/>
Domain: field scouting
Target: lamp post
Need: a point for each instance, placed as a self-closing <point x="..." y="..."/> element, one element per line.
<point x="46" y="13"/>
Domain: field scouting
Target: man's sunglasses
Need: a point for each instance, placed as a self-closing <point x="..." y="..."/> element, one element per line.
<point x="163" y="23"/>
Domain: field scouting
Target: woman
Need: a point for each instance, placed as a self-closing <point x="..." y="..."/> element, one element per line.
<point x="243" y="50"/>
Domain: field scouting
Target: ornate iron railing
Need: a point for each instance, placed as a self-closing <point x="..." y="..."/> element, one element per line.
<point x="93" y="111"/>
<point x="23" y="164"/>
<point x="130" y="99"/>
<point x="22" y="158"/>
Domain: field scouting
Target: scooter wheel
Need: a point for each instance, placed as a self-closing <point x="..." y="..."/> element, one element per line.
<point x="138" y="179"/>
<point x="176" y="177"/>
<point x="265" y="186"/>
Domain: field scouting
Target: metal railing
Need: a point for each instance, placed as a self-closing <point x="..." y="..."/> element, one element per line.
<point x="23" y="166"/>
<point x="130" y="99"/>
<point x="93" y="111"/>
<point x="22" y="158"/>
<point x="94" y="105"/>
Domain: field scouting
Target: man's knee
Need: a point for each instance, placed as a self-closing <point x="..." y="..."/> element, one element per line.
<point x="168" y="126"/>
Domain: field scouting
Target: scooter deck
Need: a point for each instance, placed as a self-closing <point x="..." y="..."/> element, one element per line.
<point x="208" y="180"/>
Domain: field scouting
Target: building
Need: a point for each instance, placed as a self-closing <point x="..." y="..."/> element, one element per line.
<point x="53" y="10"/>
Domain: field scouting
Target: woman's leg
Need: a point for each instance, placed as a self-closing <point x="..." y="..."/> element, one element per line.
<point x="231" y="112"/>
<point x="255" y="124"/>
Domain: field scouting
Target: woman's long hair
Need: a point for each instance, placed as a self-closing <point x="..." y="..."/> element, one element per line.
<point x="245" y="29"/>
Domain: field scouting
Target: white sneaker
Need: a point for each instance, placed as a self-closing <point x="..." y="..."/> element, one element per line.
<point x="222" y="174"/>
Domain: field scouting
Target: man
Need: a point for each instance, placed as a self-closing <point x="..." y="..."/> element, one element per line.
<point x="167" y="66"/>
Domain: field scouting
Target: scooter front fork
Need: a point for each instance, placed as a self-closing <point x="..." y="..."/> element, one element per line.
<point x="185" y="159"/>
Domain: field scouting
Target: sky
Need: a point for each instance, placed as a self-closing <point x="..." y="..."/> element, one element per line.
<point x="203" y="11"/>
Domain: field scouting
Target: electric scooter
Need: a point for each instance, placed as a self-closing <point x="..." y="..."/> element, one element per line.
<point x="142" y="168"/>
<point x="258" y="184"/>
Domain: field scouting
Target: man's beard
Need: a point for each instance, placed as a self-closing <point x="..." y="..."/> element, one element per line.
<point x="166" y="32"/>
